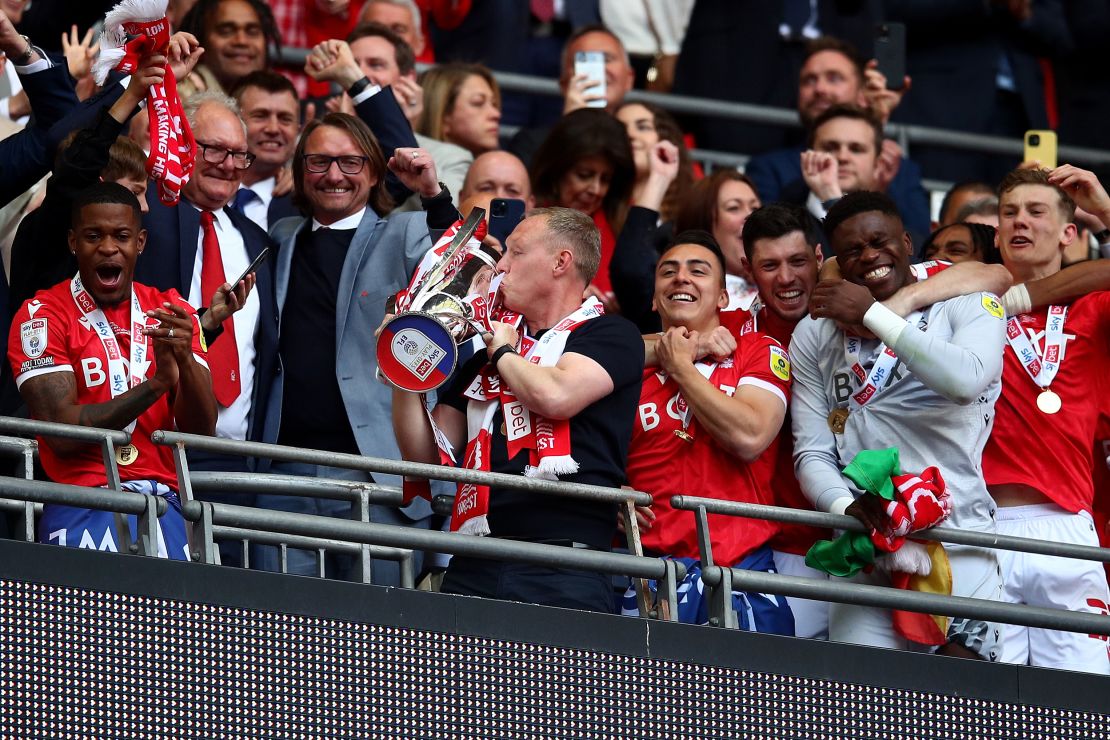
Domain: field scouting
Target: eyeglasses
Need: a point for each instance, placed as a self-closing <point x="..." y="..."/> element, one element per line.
<point x="349" y="164"/>
<point x="218" y="155"/>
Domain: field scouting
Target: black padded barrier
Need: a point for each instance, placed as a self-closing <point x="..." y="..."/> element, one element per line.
<point x="104" y="645"/>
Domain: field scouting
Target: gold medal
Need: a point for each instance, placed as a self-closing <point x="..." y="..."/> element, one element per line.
<point x="838" y="418"/>
<point x="681" y="434"/>
<point x="127" y="454"/>
<point x="1048" y="402"/>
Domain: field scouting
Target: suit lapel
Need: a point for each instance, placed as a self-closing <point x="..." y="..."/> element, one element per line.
<point x="356" y="255"/>
<point x="283" y="263"/>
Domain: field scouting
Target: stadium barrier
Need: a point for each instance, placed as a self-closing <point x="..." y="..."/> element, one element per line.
<point x="722" y="580"/>
<point x="324" y="533"/>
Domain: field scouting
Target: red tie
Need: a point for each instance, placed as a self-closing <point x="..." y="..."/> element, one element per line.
<point x="544" y="10"/>
<point x="223" y="355"/>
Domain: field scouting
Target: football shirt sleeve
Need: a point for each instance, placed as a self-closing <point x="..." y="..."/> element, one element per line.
<point x="37" y="343"/>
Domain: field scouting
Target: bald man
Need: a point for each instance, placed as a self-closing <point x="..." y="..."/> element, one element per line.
<point x="497" y="174"/>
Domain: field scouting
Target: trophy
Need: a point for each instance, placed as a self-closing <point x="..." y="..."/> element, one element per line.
<point x="443" y="306"/>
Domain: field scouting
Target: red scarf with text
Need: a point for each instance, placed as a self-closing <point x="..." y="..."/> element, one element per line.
<point x="133" y="30"/>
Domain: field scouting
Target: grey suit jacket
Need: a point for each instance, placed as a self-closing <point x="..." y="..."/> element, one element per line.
<point x="382" y="257"/>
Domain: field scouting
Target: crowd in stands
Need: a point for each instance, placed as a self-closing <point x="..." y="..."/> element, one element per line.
<point x="802" y="333"/>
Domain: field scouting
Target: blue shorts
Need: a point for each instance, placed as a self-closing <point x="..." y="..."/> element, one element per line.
<point x="96" y="530"/>
<point x="755" y="612"/>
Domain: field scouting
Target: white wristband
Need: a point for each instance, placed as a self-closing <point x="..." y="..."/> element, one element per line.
<point x="1016" y="300"/>
<point x="838" y="506"/>
<point x="884" y="323"/>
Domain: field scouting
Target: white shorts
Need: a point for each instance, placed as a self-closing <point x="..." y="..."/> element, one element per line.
<point x="1060" y="583"/>
<point x="975" y="573"/>
<point x="811" y="618"/>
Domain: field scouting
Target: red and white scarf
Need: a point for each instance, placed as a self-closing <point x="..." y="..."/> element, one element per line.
<point x="132" y="30"/>
<point x="547" y="440"/>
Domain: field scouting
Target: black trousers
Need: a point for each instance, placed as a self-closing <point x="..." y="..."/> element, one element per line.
<point x="531" y="584"/>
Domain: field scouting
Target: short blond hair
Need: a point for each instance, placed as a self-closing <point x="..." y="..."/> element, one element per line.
<point x="577" y="232"/>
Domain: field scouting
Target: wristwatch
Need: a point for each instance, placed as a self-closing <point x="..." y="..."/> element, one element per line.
<point x="1103" y="237"/>
<point x="25" y="57"/>
<point x="500" y="352"/>
<point x="358" y="87"/>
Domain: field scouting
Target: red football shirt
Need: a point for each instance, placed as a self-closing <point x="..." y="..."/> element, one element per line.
<point x="663" y="464"/>
<point x="49" y="334"/>
<point x="1052" y="452"/>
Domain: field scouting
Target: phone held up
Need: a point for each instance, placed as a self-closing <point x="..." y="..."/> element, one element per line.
<point x="592" y="65"/>
<point x="1040" y="146"/>
<point x="504" y="215"/>
<point x="890" y="53"/>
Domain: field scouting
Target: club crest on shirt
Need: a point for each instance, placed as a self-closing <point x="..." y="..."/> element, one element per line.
<point x="993" y="307"/>
<point x="33" y="335"/>
<point x="780" y="363"/>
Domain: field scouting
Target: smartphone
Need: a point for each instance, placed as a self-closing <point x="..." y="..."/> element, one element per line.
<point x="592" y="64"/>
<point x="890" y="53"/>
<point x="504" y="215"/>
<point x="253" y="266"/>
<point x="1041" y="147"/>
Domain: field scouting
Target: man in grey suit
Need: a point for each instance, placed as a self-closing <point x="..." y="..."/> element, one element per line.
<point x="335" y="270"/>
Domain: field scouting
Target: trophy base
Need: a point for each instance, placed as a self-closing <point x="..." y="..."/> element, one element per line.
<point x="416" y="352"/>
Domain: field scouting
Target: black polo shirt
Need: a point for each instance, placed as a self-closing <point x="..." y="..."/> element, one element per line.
<point x="599" y="437"/>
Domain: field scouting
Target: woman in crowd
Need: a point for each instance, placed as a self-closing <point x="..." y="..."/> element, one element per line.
<point x="720" y="204"/>
<point x="962" y="242"/>
<point x="647" y="125"/>
<point x="586" y="164"/>
<point x="462" y="105"/>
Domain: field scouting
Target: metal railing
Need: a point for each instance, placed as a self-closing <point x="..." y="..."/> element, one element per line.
<point x="361" y="493"/>
<point x="367" y="539"/>
<point x="721" y="581"/>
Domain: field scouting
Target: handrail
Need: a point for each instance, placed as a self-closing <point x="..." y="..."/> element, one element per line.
<point x="851" y="524"/>
<point x="915" y="601"/>
<point x="35" y="428"/>
<point x="764" y="114"/>
<point x="101" y="499"/>
<point x="403" y="556"/>
<point x="490" y="548"/>
<point x="396" y="467"/>
<point x="291" y="485"/>
<point x="18" y="447"/>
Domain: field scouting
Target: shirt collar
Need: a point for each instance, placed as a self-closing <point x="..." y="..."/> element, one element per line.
<point x="264" y="189"/>
<point x="350" y="222"/>
<point x="221" y="219"/>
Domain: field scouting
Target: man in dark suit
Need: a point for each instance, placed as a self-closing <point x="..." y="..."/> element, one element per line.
<point x="833" y="74"/>
<point x="201" y="242"/>
<point x="750" y="51"/>
<point x="269" y="106"/>
<point x="976" y="67"/>
<point x="335" y="269"/>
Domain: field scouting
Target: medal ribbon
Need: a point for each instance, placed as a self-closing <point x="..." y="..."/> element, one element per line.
<point x="706" y="369"/>
<point x="121" y="379"/>
<point x="871" y="384"/>
<point x="1041" y="369"/>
